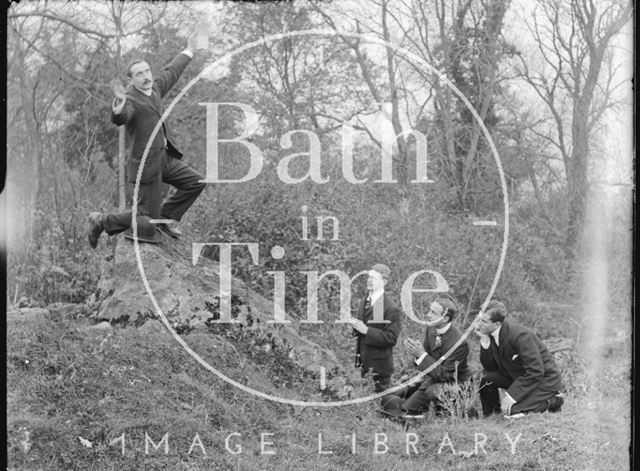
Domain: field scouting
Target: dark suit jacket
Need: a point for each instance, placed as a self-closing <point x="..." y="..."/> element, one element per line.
<point x="140" y="116"/>
<point x="445" y="372"/>
<point x="376" y="348"/>
<point x="523" y="358"/>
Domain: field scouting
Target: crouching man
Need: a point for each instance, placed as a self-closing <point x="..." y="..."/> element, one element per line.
<point x="516" y="360"/>
<point x="440" y="337"/>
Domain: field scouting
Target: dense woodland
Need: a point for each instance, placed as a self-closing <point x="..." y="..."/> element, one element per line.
<point x="549" y="81"/>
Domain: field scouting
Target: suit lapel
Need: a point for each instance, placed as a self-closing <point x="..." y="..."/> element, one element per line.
<point x="502" y="338"/>
<point x="430" y="340"/>
<point x="368" y="313"/>
<point x="155" y="103"/>
<point x="152" y="101"/>
<point x="444" y="339"/>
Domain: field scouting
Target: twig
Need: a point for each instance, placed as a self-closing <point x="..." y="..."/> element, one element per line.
<point x="475" y="285"/>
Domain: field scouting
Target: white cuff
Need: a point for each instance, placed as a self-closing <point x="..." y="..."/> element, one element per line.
<point x="188" y="52"/>
<point x="507" y="394"/>
<point x="421" y="357"/>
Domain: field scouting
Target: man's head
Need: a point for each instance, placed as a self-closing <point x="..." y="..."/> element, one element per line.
<point x="378" y="277"/>
<point x="491" y="318"/>
<point x="139" y="75"/>
<point x="441" y="312"/>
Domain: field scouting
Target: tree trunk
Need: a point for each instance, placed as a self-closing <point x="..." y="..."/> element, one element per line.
<point x="122" y="184"/>
<point x="32" y="175"/>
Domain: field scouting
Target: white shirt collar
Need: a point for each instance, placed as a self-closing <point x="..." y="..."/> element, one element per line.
<point x="146" y="92"/>
<point x="443" y="330"/>
<point x="375" y="296"/>
<point x="496" y="335"/>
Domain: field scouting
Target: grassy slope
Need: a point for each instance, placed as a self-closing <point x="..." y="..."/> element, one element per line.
<point x="67" y="380"/>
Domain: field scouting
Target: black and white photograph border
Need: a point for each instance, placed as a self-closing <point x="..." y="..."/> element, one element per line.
<point x="359" y="234"/>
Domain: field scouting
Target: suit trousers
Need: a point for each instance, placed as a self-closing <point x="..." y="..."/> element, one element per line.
<point x="420" y="398"/>
<point x="490" y="397"/>
<point x="380" y="381"/>
<point x="175" y="172"/>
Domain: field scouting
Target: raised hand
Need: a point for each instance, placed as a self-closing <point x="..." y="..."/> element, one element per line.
<point x="413" y="347"/>
<point x="199" y="39"/>
<point x="191" y="41"/>
<point x="118" y="90"/>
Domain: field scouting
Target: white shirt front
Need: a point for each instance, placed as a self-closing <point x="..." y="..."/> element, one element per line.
<point x="373" y="297"/>
<point x="485" y="342"/>
<point x="441" y="331"/>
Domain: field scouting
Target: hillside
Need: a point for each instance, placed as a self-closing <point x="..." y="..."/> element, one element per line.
<point x="79" y="385"/>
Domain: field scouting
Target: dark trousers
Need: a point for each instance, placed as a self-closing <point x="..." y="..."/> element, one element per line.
<point x="490" y="397"/>
<point x="419" y="398"/>
<point x="174" y="172"/>
<point x="380" y="381"/>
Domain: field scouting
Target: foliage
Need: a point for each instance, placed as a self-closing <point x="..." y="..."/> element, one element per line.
<point x="58" y="265"/>
<point x="419" y="227"/>
<point x="461" y="400"/>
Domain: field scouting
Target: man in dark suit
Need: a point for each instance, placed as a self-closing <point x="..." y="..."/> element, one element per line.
<point x="139" y="108"/>
<point x="439" y="338"/>
<point x="516" y="360"/>
<point x="377" y="334"/>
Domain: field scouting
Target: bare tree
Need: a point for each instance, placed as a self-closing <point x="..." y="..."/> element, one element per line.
<point x="462" y="40"/>
<point x="573" y="39"/>
<point x="104" y="27"/>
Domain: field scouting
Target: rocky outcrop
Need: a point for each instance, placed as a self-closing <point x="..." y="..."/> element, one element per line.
<point x="188" y="296"/>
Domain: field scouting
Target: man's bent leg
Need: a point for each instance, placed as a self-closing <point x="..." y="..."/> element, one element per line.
<point x="187" y="182"/>
<point x="149" y="200"/>
<point x="489" y="395"/>
<point x="115" y="223"/>
<point x="419" y="401"/>
<point x="381" y="382"/>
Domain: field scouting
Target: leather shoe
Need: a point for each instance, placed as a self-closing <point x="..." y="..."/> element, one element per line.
<point x="170" y="230"/>
<point x="95" y="229"/>
<point x="555" y="403"/>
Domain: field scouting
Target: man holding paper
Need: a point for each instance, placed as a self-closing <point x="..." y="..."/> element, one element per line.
<point x="376" y="337"/>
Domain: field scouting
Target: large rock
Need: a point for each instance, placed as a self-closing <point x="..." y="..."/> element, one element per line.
<point x="188" y="296"/>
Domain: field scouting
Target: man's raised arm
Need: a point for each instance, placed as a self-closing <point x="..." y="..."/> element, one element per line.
<point x="122" y="110"/>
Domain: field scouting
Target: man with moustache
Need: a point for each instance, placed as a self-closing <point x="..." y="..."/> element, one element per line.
<point x="440" y="337"/>
<point x="516" y="360"/>
<point x="139" y="108"/>
<point x="376" y="335"/>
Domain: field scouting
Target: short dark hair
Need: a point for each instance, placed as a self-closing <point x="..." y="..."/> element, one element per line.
<point x="131" y="64"/>
<point x="450" y="308"/>
<point x="496" y="311"/>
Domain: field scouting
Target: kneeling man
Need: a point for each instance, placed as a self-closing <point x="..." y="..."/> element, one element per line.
<point x="440" y="337"/>
<point x="516" y="360"/>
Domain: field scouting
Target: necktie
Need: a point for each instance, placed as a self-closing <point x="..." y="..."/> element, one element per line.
<point x="367" y="303"/>
<point x="438" y="343"/>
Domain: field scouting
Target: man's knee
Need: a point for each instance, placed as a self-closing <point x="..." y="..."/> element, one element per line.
<point x="431" y="394"/>
<point x="495" y="379"/>
<point x="381" y="382"/>
<point x="195" y="182"/>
